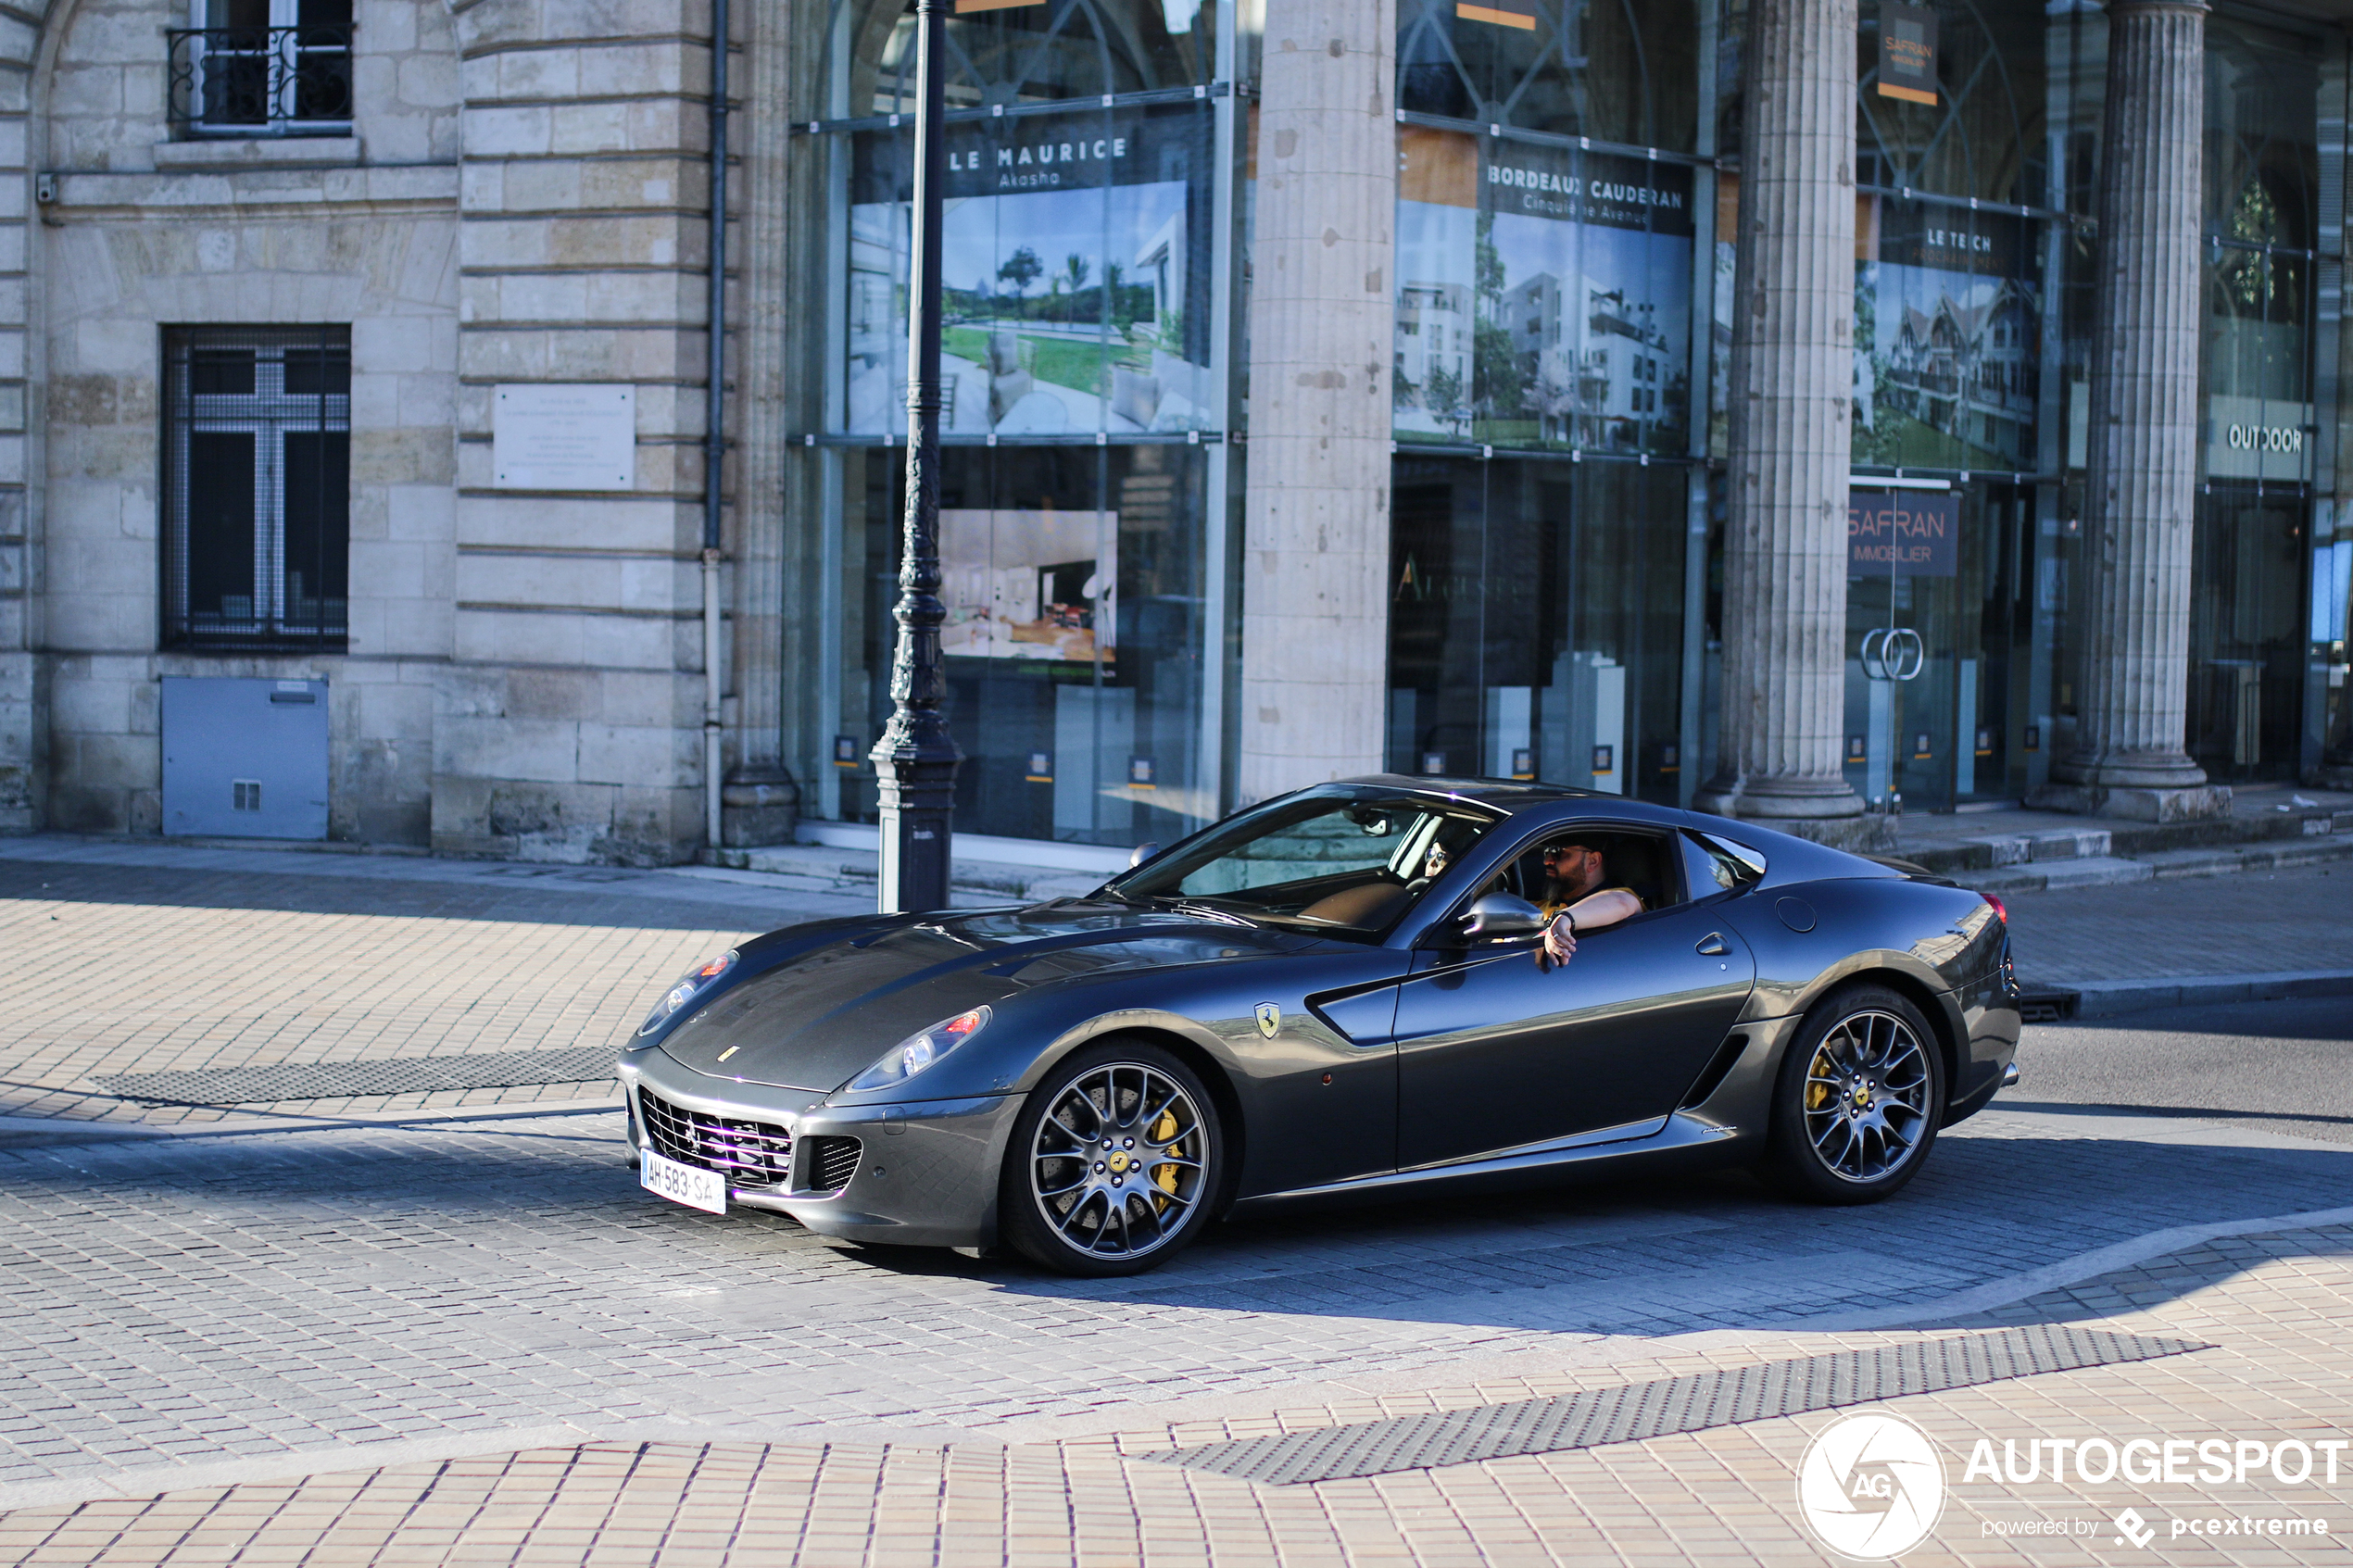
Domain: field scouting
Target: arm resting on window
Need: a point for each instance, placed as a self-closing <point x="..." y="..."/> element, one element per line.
<point x="1590" y="913"/>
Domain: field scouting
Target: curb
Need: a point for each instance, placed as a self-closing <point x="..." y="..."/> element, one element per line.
<point x="2153" y="865"/>
<point x="2107" y="998"/>
<point x="47" y="1132"/>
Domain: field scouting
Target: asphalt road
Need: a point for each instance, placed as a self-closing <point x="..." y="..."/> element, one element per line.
<point x="2284" y="1066"/>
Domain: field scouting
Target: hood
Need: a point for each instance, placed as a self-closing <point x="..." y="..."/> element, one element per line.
<point x="822" y="1017"/>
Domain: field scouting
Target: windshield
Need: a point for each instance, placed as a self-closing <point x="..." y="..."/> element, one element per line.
<point x="1348" y="862"/>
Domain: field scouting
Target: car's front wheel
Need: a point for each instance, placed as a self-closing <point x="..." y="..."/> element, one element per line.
<point x="1856" y="1104"/>
<point x="1115" y="1161"/>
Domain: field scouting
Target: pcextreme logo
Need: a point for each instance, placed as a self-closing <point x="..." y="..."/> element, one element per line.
<point x="1870" y="1486"/>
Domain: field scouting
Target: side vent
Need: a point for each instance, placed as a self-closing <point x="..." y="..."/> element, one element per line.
<point x="1713" y="1075"/>
<point x="832" y="1161"/>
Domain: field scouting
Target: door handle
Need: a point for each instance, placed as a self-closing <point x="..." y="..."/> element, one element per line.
<point x="1713" y="944"/>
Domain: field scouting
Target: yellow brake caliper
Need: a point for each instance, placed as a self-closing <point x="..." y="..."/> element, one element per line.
<point x="1164" y="1177"/>
<point x="1817" y="1093"/>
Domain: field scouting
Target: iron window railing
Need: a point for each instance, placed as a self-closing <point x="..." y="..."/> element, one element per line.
<point x="257" y="532"/>
<point x="260" y="81"/>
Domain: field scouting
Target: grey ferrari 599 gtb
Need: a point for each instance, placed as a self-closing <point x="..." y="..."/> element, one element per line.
<point x="1336" y="994"/>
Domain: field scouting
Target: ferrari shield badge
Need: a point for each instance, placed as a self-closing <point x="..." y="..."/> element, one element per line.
<point x="1270" y="1018"/>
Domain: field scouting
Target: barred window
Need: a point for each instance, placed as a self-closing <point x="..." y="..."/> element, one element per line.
<point x="261" y="68"/>
<point x="257" y="485"/>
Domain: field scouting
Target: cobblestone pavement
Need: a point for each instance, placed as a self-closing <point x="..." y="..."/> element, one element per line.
<point x="476" y="1340"/>
<point x="417" y="1313"/>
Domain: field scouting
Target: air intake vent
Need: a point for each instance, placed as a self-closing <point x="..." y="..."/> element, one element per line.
<point x="832" y="1161"/>
<point x="1720" y="1066"/>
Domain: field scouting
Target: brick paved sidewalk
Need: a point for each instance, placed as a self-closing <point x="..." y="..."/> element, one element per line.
<point x="212" y="960"/>
<point x="118" y="958"/>
<point x="2258" y="923"/>
<point x="2268" y="1307"/>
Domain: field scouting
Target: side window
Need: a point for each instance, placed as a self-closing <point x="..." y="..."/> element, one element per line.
<point x="1713" y="867"/>
<point x="1646" y="863"/>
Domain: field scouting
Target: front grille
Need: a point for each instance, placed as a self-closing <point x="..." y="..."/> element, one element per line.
<point x="832" y="1161"/>
<point x="749" y="1154"/>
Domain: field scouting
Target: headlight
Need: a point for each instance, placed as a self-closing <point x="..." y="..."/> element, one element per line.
<point x="693" y="983"/>
<point x="916" y="1052"/>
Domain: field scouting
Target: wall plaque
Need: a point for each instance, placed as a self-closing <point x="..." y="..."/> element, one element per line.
<point x="563" y="437"/>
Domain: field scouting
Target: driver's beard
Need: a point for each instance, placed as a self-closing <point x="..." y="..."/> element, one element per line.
<point x="1564" y="891"/>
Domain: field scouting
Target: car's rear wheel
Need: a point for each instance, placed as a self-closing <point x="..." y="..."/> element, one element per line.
<point x="1115" y="1161"/>
<point x="1856" y="1108"/>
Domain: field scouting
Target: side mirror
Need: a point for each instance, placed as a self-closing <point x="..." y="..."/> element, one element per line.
<point x="1501" y="914"/>
<point x="1141" y="853"/>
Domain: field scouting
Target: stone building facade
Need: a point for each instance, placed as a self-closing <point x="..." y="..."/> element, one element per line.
<point x="1732" y="520"/>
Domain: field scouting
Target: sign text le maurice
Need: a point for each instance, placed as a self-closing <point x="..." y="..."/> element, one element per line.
<point x="1905" y="533"/>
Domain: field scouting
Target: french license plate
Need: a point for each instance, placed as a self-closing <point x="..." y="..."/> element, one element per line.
<point x="695" y="1188"/>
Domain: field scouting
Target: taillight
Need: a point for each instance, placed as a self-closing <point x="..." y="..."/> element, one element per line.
<point x="1999" y="914"/>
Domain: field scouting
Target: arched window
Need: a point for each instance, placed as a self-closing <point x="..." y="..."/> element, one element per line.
<point x="1617" y="71"/>
<point x="1984" y="135"/>
<point x="1024" y="52"/>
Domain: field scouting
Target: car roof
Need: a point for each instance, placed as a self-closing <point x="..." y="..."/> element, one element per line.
<point x="1519" y="797"/>
<point x="1533" y="804"/>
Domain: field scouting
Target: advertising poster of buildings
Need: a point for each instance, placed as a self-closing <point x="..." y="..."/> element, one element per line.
<point x="1543" y="297"/>
<point x="1946" y="321"/>
<point x="1029" y="584"/>
<point x="1074" y="282"/>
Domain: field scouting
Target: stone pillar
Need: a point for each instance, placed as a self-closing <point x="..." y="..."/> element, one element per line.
<point x="1316" y="510"/>
<point x="2127" y="759"/>
<point x="1791" y="404"/>
<point x="759" y="801"/>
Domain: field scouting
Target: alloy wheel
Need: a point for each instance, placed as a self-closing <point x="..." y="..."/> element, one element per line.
<point x="1119" y="1163"/>
<point x="1867" y="1094"/>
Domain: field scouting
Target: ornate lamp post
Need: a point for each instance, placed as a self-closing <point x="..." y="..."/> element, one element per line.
<point x="915" y="760"/>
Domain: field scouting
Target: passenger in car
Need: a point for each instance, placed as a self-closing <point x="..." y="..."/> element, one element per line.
<point x="1575" y="900"/>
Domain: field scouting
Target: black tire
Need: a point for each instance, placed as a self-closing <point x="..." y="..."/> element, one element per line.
<point x="1859" y="1098"/>
<point x="1117" y="1210"/>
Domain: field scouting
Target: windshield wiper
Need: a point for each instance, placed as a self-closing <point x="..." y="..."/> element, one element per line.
<point x="1205" y="911"/>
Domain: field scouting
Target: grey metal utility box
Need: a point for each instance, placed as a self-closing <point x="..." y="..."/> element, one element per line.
<point x="245" y="758"/>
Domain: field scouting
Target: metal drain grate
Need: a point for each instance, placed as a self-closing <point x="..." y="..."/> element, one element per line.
<point x="341" y="1080"/>
<point x="1635" y="1410"/>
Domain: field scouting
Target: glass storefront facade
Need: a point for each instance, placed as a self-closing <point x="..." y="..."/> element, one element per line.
<point x="1087" y="274"/>
<point x="1568" y="183"/>
<point x="2264" y="101"/>
<point x="1555" y="228"/>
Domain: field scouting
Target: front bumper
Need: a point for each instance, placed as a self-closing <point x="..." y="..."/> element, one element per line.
<point x="925" y="1171"/>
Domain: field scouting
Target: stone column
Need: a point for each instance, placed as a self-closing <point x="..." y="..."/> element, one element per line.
<point x="1791" y="403"/>
<point x="759" y="801"/>
<point x="1316" y="510"/>
<point x="2127" y="759"/>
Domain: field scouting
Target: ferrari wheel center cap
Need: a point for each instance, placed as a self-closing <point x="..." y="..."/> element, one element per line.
<point x="1118" y="1163"/>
